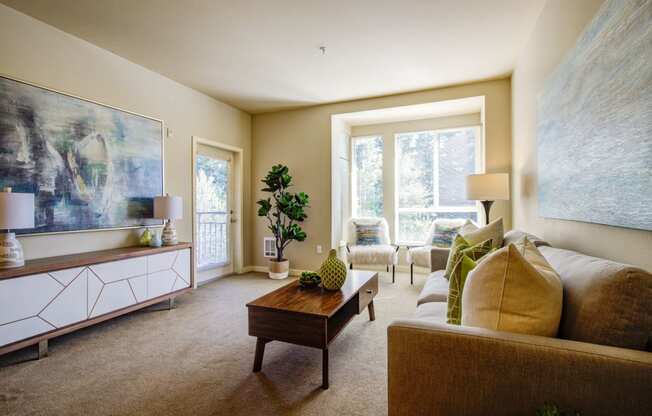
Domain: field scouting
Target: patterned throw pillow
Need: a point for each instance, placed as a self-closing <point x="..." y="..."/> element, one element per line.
<point x="445" y="231"/>
<point x="367" y="234"/>
<point x="470" y="258"/>
<point x="457" y="280"/>
<point x="459" y="244"/>
<point x="461" y="247"/>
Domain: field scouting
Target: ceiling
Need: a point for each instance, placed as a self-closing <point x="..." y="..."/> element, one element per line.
<point x="447" y="108"/>
<point x="262" y="55"/>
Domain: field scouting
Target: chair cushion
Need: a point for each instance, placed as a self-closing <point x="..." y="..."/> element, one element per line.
<point x="492" y="231"/>
<point x="419" y="256"/>
<point x="605" y="302"/>
<point x="514" y="289"/>
<point x="435" y="289"/>
<point x="367" y="234"/>
<point x="432" y="311"/>
<point x="445" y="230"/>
<point x="376" y="254"/>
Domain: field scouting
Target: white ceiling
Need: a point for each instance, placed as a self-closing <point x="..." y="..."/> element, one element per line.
<point x="470" y="105"/>
<point x="263" y="55"/>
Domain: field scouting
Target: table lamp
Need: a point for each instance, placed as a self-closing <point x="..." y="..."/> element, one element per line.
<point x="16" y="211"/>
<point x="168" y="208"/>
<point x="487" y="188"/>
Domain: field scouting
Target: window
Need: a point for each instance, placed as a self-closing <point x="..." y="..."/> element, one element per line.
<point x="367" y="176"/>
<point x="430" y="179"/>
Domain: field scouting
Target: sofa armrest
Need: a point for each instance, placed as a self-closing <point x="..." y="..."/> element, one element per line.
<point x="455" y="370"/>
<point x="438" y="258"/>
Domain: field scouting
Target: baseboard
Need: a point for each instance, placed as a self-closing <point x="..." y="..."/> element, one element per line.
<point x="296" y="272"/>
<point x="264" y="269"/>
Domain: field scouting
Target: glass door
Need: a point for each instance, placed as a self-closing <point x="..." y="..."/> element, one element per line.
<point x="213" y="211"/>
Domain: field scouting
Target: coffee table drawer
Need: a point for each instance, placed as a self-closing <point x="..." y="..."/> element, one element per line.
<point x="367" y="293"/>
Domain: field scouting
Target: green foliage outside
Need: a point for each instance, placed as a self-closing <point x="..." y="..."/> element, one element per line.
<point x="284" y="210"/>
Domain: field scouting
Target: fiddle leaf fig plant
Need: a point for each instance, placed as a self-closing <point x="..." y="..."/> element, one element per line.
<point x="283" y="209"/>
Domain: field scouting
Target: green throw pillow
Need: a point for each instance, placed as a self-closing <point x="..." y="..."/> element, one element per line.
<point x="470" y="257"/>
<point x="459" y="244"/>
<point x="457" y="280"/>
<point x="460" y="247"/>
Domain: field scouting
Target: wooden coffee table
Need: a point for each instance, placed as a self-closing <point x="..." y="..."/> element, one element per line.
<point x="310" y="317"/>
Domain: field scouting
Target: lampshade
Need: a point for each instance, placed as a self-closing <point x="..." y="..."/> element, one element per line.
<point x="168" y="207"/>
<point x="487" y="187"/>
<point x="16" y="210"/>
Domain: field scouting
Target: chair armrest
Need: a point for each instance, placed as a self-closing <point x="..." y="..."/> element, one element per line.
<point x="455" y="370"/>
<point x="438" y="258"/>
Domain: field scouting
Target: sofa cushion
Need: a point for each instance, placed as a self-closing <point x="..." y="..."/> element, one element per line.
<point x="514" y="289"/>
<point x="513" y="236"/>
<point x="432" y="311"/>
<point x="492" y="231"/>
<point x="434" y="290"/>
<point x="605" y="302"/>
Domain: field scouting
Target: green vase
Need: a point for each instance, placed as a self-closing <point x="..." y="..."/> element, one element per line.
<point x="332" y="272"/>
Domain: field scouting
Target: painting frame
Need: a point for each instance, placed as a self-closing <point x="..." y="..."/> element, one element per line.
<point x="163" y="131"/>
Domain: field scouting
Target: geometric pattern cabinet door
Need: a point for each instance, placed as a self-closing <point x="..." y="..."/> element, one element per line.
<point x="36" y="304"/>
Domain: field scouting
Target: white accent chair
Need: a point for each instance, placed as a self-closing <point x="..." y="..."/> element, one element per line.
<point x="384" y="253"/>
<point x="421" y="256"/>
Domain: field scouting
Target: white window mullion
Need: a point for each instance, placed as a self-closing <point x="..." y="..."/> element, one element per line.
<point x="435" y="170"/>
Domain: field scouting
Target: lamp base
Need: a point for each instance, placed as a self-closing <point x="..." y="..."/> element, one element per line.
<point x="169" y="236"/>
<point x="487" y="207"/>
<point x="11" y="252"/>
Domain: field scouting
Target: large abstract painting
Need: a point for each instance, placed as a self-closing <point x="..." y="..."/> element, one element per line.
<point x="90" y="166"/>
<point x="594" y="127"/>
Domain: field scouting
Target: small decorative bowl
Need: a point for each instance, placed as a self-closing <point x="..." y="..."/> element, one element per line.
<point x="308" y="280"/>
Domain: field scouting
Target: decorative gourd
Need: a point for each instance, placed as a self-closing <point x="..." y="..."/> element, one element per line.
<point x="333" y="272"/>
<point x="146" y="237"/>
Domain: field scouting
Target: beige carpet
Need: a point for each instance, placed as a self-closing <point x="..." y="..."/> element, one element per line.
<point x="197" y="360"/>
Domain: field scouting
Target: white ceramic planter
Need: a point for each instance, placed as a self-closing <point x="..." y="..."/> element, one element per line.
<point x="279" y="269"/>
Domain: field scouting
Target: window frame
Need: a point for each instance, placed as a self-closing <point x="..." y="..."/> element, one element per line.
<point x="353" y="172"/>
<point x="479" y="167"/>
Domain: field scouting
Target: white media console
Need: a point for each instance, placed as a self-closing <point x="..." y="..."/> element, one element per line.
<point x="53" y="296"/>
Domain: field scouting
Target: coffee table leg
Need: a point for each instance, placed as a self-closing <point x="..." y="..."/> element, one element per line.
<point x="260" y="351"/>
<point x="372" y="311"/>
<point x="324" y="368"/>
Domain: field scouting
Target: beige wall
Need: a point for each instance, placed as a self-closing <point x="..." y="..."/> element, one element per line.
<point x="38" y="53"/>
<point x="302" y="140"/>
<point x="556" y="31"/>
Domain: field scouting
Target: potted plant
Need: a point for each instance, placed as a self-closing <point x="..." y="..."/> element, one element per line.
<point x="284" y="210"/>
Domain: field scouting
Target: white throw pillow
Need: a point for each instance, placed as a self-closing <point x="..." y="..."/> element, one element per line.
<point x="514" y="289"/>
<point x="493" y="231"/>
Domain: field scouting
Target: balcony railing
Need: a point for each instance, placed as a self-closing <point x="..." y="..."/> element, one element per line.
<point x="212" y="239"/>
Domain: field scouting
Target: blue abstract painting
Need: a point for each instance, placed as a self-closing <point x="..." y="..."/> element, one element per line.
<point x="90" y="166"/>
<point x="594" y="127"/>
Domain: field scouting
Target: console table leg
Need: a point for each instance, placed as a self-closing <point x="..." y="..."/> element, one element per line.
<point x="372" y="311"/>
<point x="324" y="368"/>
<point x="171" y="303"/>
<point x="260" y="352"/>
<point x="42" y="349"/>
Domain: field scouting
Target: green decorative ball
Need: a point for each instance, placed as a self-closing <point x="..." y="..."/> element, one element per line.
<point x="333" y="272"/>
<point x="309" y="279"/>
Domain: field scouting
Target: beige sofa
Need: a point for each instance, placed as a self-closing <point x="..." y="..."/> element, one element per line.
<point x="600" y="364"/>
